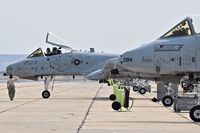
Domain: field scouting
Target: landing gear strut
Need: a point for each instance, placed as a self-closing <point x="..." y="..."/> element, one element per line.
<point x="46" y="94"/>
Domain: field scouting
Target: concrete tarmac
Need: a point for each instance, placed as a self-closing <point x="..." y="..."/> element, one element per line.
<point x="78" y="107"/>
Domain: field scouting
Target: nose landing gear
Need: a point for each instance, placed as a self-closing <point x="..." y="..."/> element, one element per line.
<point x="46" y="94"/>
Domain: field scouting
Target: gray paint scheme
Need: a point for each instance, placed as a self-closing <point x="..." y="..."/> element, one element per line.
<point x="61" y="64"/>
<point x="167" y="58"/>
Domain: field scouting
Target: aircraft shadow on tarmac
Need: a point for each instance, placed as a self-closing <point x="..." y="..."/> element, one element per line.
<point x="150" y="122"/>
<point x="61" y="98"/>
<point x="101" y="99"/>
<point x="148" y="106"/>
<point x="86" y="98"/>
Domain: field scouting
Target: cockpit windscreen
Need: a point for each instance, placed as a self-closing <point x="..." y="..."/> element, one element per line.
<point x="37" y="53"/>
<point x="188" y="26"/>
<point x="182" y="29"/>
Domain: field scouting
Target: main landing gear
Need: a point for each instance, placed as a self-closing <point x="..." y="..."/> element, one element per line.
<point x="166" y="92"/>
<point x="195" y="113"/>
<point x="46" y="94"/>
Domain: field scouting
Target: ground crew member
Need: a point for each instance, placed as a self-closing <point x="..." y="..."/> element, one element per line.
<point x="11" y="87"/>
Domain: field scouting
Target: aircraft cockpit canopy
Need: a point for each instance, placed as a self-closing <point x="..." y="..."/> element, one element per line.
<point x="37" y="53"/>
<point x="188" y="26"/>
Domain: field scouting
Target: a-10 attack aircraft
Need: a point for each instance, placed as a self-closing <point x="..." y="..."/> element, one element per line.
<point x="55" y="63"/>
<point x="170" y="58"/>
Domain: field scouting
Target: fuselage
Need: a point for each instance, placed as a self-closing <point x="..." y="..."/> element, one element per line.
<point x="171" y="56"/>
<point x="71" y="63"/>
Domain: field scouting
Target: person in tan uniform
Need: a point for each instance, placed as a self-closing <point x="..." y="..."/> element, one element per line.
<point x="11" y="87"/>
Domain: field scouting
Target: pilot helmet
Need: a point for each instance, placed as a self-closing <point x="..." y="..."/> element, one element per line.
<point x="48" y="50"/>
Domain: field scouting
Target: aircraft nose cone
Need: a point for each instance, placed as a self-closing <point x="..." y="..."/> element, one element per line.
<point x="124" y="60"/>
<point x="9" y="70"/>
<point x="120" y="61"/>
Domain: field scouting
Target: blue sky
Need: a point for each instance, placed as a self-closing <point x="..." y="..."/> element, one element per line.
<point x="107" y="25"/>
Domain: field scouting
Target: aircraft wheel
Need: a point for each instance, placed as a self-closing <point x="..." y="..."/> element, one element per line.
<point x="112" y="97"/>
<point x="116" y="105"/>
<point x="135" y="88"/>
<point x="195" y="113"/>
<point x="142" y="91"/>
<point x="167" y="101"/>
<point x="46" y="94"/>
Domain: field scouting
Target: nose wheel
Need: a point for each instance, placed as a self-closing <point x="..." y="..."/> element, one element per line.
<point x="46" y="94"/>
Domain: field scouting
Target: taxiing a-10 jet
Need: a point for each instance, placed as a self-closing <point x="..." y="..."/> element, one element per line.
<point x="55" y="63"/>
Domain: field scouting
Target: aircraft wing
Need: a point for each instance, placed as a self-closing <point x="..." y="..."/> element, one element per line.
<point x="110" y="64"/>
<point x="104" y="72"/>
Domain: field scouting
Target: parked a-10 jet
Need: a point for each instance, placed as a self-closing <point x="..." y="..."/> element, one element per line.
<point x="174" y="55"/>
<point x="170" y="58"/>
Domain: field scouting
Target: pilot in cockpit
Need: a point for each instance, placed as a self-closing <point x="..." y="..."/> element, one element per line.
<point x="48" y="52"/>
<point x="59" y="50"/>
<point x="54" y="51"/>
